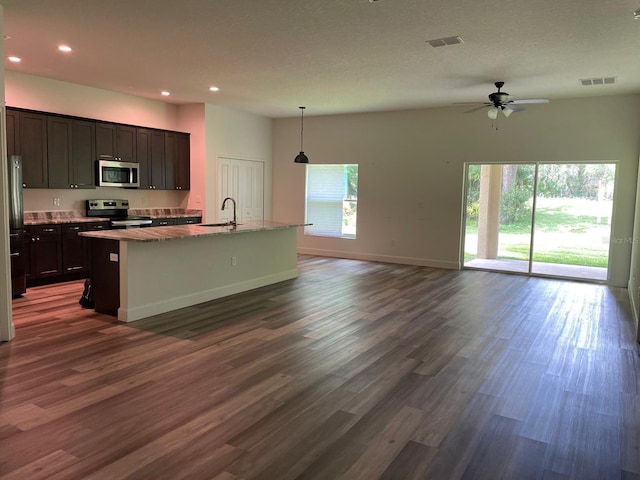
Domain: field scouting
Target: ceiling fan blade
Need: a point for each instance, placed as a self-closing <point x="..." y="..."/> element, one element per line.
<point x="470" y="103"/>
<point x="477" y="108"/>
<point x="515" y="108"/>
<point x="528" y="101"/>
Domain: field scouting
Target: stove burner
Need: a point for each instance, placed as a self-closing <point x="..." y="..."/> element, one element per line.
<point x="117" y="212"/>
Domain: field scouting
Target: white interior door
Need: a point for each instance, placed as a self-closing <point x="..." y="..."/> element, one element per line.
<point x="242" y="180"/>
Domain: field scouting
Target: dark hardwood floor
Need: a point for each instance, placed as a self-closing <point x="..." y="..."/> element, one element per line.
<point x="354" y="370"/>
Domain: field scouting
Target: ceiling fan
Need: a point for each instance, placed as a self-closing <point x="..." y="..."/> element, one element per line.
<point x="499" y="102"/>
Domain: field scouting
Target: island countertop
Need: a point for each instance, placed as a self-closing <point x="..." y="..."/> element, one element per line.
<point x="173" y="232"/>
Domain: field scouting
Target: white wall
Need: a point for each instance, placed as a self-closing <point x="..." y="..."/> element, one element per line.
<point x="411" y="166"/>
<point x="6" y="325"/>
<point x="53" y="96"/>
<point x="191" y="119"/>
<point x="634" y="277"/>
<point x="236" y="134"/>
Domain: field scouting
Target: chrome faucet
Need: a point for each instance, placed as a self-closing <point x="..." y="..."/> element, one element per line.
<point x="224" y="202"/>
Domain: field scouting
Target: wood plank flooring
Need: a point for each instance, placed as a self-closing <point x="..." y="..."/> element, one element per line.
<point x="354" y="370"/>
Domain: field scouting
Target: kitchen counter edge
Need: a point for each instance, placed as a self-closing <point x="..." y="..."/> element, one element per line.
<point x="174" y="232"/>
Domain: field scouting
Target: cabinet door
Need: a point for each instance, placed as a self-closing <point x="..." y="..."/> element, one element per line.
<point x="74" y="250"/>
<point x="158" y="157"/>
<point x="13" y="133"/>
<point x="47" y="252"/>
<point x="183" y="166"/>
<point x="126" y="143"/>
<point x="170" y="159"/>
<point x="150" y="156"/>
<point x="105" y="141"/>
<point x="92" y="227"/>
<point x="83" y="154"/>
<point x="59" y="152"/>
<point x="29" y="246"/>
<point x="33" y="148"/>
<point x="143" y="155"/>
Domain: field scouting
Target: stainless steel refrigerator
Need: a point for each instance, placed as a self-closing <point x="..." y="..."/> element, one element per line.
<point x="16" y="227"/>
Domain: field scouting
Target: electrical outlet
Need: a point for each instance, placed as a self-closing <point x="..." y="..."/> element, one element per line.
<point x="56" y="201"/>
<point x="233" y="261"/>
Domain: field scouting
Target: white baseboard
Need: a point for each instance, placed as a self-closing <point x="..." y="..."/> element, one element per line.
<point x="634" y="309"/>
<point x="422" y="262"/>
<point x="144" y="311"/>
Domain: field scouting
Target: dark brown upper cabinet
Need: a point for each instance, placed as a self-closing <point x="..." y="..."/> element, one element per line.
<point x="33" y="149"/>
<point x="177" y="162"/>
<point x="13" y="132"/>
<point x="71" y="152"/>
<point x="60" y="151"/>
<point x="115" y="142"/>
<point x="151" y="157"/>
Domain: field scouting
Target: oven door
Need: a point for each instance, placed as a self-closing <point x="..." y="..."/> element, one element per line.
<point x="118" y="174"/>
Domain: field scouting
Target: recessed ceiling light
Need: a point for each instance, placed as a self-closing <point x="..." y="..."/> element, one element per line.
<point x="14" y="59"/>
<point x="165" y="93"/>
<point x="214" y="89"/>
<point x="64" y="48"/>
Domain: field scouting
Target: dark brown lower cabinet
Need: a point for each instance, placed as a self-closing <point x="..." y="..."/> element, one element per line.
<point x="45" y="252"/>
<point x="74" y="251"/>
<point x="105" y="275"/>
<point x="56" y="253"/>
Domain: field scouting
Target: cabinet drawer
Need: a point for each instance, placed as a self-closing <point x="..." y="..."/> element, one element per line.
<point x="72" y="229"/>
<point x="189" y="220"/>
<point x="92" y="227"/>
<point x="161" y="222"/>
<point x="47" y="230"/>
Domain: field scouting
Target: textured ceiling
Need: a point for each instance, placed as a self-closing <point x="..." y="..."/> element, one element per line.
<point x="332" y="56"/>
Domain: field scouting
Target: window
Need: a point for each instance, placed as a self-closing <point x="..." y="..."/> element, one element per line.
<point x="332" y="200"/>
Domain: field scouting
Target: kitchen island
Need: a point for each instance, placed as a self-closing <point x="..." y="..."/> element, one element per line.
<point x="141" y="272"/>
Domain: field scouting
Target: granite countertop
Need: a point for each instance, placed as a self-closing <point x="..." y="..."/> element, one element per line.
<point x="165" y="212"/>
<point x="157" y="234"/>
<point x="59" y="216"/>
<point x="76" y="216"/>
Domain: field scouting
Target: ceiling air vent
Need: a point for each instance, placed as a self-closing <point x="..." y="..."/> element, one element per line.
<point x="443" y="42"/>
<point x="597" y="81"/>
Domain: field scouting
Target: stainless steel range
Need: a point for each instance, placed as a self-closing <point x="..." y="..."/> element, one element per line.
<point x="118" y="213"/>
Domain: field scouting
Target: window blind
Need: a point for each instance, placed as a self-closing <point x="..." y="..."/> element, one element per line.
<point x="325" y="194"/>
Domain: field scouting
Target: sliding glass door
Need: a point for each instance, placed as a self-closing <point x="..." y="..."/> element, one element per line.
<point x="544" y="219"/>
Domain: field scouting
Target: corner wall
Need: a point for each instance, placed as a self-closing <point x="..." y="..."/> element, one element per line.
<point x="411" y="166"/>
<point x="634" y="277"/>
<point x="7" y="330"/>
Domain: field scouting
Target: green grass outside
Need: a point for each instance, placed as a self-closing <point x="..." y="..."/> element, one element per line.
<point x="564" y="234"/>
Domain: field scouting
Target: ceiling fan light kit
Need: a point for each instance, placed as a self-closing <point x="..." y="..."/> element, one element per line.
<point x="499" y="101"/>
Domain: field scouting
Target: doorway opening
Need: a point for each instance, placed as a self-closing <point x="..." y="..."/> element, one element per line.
<point x="545" y="219"/>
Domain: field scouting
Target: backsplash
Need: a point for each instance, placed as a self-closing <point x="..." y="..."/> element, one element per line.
<point x="48" y="200"/>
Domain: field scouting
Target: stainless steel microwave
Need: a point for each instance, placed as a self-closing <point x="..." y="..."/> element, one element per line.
<point x="118" y="174"/>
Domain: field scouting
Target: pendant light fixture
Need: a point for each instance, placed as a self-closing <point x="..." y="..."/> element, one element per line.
<point x="301" y="158"/>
